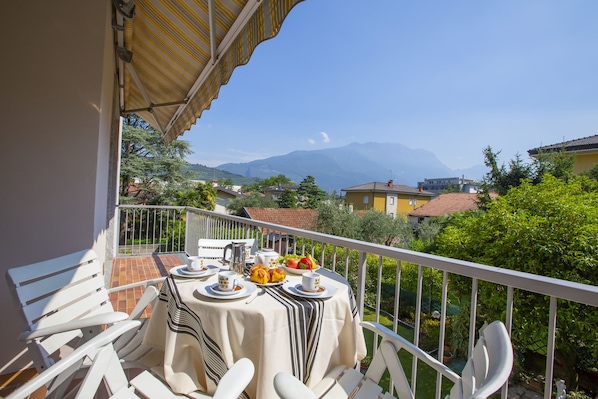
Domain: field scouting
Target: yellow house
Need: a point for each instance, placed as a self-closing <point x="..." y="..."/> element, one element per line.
<point x="386" y="197"/>
<point x="585" y="151"/>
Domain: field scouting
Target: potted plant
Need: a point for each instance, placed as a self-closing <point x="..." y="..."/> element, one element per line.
<point x="447" y="356"/>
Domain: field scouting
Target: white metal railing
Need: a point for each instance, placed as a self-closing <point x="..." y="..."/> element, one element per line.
<point x="145" y="230"/>
<point x="351" y="258"/>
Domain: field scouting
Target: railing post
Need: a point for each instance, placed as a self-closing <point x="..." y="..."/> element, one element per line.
<point x="361" y="276"/>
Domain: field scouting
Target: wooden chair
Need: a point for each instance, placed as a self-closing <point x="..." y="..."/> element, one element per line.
<point x="64" y="301"/>
<point x="486" y="371"/>
<point x="214" y="249"/>
<point x="105" y="377"/>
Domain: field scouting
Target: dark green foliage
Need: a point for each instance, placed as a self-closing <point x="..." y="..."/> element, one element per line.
<point x="145" y="159"/>
<point x="203" y="196"/>
<point x="287" y="199"/>
<point x="310" y="195"/>
<point x="255" y="200"/>
<point x="550" y="229"/>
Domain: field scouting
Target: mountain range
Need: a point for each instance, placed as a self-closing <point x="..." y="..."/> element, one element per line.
<point x="354" y="164"/>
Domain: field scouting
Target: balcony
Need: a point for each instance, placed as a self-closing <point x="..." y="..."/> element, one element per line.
<point x="153" y="239"/>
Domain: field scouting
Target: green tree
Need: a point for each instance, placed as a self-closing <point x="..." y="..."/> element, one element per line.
<point x="147" y="160"/>
<point x="338" y="221"/>
<point x="310" y="194"/>
<point x="226" y="183"/>
<point x="549" y="229"/>
<point x="287" y="199"/>
<point x="203" y="196"/>
<point x="426" y="232"/>
<point x="255" y="200"/>
<point x="501" y="179"/>
<point x="262" y="185"/>
<point x="380" y="228"/>
<point x="556" y="163"/>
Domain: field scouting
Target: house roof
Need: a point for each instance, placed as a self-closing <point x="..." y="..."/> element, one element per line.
<point x="298" y="218"/>
<point x="282" y="187"/>
<point x="448" y="203"/>
<point x="582" y="144"/>
<point x="388" y="188"/>
<point x="230" y="192"/>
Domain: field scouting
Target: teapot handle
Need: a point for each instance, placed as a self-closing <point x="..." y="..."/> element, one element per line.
<point x="227" y="246"/>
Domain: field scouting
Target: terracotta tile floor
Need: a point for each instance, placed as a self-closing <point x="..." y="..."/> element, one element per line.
<point x="132" y="270"/>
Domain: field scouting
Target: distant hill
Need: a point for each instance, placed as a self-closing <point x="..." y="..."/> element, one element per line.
<point x="202" y="172"/>
<point x="342" y="167"/>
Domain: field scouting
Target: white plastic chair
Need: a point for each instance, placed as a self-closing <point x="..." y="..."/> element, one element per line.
<point x="64" y="301"/>
<point x="486" y="371"/>
<point x="214" y="248"/>
<point x="105" y="376"/>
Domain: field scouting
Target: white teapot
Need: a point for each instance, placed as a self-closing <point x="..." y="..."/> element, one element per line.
<point x="267" y="256"/>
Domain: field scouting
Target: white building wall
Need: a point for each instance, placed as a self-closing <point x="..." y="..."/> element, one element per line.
<point x="391" y="204"/>
<point x="55" y="106"/>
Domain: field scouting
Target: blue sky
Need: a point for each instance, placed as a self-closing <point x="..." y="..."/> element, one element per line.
<point x="451" y="77"/>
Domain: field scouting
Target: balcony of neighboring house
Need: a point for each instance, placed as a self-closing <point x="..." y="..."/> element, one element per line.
<point x="408" y="291"/>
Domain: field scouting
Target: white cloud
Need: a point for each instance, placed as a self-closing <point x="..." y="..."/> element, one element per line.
<point x="325" y="137"/>
<point x="311" y="141"/>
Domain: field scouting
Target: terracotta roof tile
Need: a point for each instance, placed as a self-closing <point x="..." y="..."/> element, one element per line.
<point x="446" y="204"/>
<point x="298" y="218"/>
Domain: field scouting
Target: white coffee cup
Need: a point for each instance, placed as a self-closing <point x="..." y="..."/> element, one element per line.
<point x="310" y="282"/>
<point x="194" y="263"/>
<point x="227" y="280"/>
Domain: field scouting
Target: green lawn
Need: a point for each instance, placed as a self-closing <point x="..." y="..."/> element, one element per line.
<point x="426" y="377"/>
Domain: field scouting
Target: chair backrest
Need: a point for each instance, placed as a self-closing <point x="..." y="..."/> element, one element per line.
<point x="57" y="291"/>
<point x="94" y="366"/>
<point x="214" y="249"/>
<point x="486" y="371"/>
<point x="490" y="365"/>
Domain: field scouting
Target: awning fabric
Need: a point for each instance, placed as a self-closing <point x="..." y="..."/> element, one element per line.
<point x="175" y="55"/>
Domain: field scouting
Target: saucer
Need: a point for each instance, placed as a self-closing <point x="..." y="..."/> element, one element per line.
<point x="239" y="289"/>
<point x="295" y="289"/>
<point x="178" y="271"/>
<point x="186" y="270"/>
<point x="207" y="289"/>
<point x="321" y="290"/>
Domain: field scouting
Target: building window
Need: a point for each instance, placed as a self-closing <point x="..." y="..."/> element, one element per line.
<point x="365" y="199"/>
<point x="392" y="200"/>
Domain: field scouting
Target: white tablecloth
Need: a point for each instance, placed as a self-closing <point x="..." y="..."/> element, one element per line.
<point x="202" y="337"/>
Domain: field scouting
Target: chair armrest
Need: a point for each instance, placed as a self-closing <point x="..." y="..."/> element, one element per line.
<point x="92" y="321"/>
<point x="401" y="343"/>
<point x="145" y="283"/>
<point x="288" y="386"/>
<point x="66" y="364"/>
<point x="235" y="380"/>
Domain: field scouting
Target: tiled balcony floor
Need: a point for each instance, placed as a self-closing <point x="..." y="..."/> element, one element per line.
<point x="131" y="270"/>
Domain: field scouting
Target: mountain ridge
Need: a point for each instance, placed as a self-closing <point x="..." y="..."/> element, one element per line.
<point x="356" y="163"/>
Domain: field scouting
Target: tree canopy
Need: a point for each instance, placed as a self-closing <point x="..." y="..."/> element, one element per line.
<point x="256" y="200"/>
<point x="147" y="164"/>
<point x="287" y="199"/>
<point x="501" y="179"/>
<point x="262" y="185"/>
<point x="310" y="194"/>
<point x="549" y="229"/>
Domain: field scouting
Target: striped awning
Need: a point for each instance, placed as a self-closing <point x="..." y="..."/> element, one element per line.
<point x="175" y="55"/>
